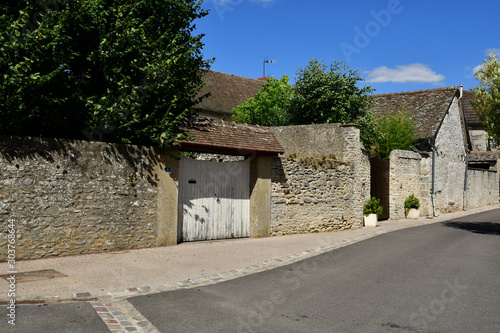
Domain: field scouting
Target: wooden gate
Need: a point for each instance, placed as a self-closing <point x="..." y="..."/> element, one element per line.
<point x="380" y="184"/>
<point x="214" y="200"/>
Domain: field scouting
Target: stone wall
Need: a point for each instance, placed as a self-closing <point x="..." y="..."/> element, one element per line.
<point x="480" y="140"/>
<point x="71" y="197"/>
<point x="321" y="182"/>
<point x="407" y="175"/>
<point x="310" y="195"/>
<point x="354" y="152"/>
<point x="482" y="188"/>
<point x="450" y="162"/>
<point x="320" y="140"/>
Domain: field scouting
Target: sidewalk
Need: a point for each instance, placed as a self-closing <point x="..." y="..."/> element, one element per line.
<point x="123" y="274"/>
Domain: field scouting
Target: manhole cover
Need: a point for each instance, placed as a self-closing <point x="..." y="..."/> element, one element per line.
<point x="44" y="274"/>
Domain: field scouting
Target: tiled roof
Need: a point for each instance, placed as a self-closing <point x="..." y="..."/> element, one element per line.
<point x="428" y="107"/>
<point x="218" y="136"/>
<point x="483" y="156"/>
<point x="471" y="117"/>
<point x="227" y="91"/>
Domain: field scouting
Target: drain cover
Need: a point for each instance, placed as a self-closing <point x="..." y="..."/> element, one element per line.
<point x="44" y="274"/>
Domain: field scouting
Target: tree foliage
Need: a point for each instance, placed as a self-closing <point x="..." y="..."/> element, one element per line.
<point x="486" y="97"/>
<point x="114" y="70"/>
<point x="270" y="105"/>
<point x="328" y="94"/>
<point x="321" y="94"/>
<point x="389" y="131"/>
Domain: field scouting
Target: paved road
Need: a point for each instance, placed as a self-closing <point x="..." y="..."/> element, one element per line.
<point x="436" y="278"/>
<point x="442" y="277"/>
<point x="79" y="317"/>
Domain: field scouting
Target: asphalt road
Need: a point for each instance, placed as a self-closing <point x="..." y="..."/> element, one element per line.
<point x="442" y="277"/>
<point x="78" y="317"/>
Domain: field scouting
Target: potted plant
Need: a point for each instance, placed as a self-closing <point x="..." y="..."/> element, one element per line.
<point x="411" y="207"/>
<point x="371" y="210"/>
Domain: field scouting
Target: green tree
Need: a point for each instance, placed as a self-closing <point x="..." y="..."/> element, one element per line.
<point x="113" y="70"/>
<point x="270" y="105"/>
<point x="486" y="97"/>
<point x="328" y="94"/>
<point x="389" y="131"/>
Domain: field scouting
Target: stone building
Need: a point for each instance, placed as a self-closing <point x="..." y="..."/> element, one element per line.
<point x="479" y="139"/>
<point x="448" y="175"/>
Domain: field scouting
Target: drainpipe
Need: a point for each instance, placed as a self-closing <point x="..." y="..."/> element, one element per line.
<point x="465" y="182"/>
<point x="431" y="143"/>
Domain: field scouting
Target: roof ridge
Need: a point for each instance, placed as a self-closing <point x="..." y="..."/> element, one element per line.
<point x="239" y="76"/>
<point x="415" y="91"/>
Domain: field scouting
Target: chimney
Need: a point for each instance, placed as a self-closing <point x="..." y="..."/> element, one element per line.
<point x="461" y="90"/>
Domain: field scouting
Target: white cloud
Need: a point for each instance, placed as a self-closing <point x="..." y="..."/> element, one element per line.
<point x="476" y="69"/>
<point x="494" y="51"/>
<point x="405" y="74"/>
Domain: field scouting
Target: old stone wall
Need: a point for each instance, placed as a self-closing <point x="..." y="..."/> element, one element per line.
<point x="480" y="140"/>
<point x="308" y="140"/>
<point x="321" y="182"/>
<point x="482" y="188"/>
<point x="354" y="152"/>
<point x="70" y="197"/>
<point x="450" y="162"/>
<point x="311" y="195"/>
<point x="407" y="175"/>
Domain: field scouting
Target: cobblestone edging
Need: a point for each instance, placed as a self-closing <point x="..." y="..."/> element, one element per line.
<point x="121" y="316"/>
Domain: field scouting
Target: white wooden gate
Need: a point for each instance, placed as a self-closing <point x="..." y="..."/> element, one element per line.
<point x="214" y="200"/>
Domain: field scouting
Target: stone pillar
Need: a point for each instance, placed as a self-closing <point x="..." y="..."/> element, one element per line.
<point x="353" y="152"/>
<point x="167" y="225"/>
<point x="260" y="196"/>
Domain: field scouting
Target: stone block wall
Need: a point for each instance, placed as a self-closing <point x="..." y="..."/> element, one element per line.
<point x="404" y="179"/>
<point x="407" y="175"/>
<point x="425" y="186"/>
<point x="353" y="151"/>
<point x="71" y="197"/>
<point x="480" y="140"/>
<point x="321" y="182"/>
<point x="482" y="188"/>
<point x="321" y="139"/>
<point x="311" y="195"/>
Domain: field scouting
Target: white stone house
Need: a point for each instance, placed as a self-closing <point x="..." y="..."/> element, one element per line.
<point x="450" y="175"/>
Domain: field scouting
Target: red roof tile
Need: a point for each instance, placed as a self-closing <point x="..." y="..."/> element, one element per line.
<point x="218" y="136"/>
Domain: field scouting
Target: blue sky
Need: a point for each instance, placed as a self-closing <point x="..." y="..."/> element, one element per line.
<point x="397" y="45"/>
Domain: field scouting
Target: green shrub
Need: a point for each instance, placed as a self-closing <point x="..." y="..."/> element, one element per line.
<point x="372" y="206"/>
<point x="412" y="202"/>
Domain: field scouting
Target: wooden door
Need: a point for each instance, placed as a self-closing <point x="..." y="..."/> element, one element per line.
<point x="214" y="200"/>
